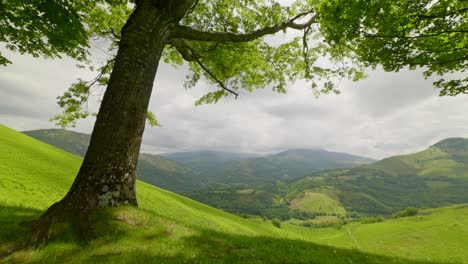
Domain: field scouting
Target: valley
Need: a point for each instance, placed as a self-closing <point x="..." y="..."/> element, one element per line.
<point x="302" y="183"/>
<point x="177" y="229"/>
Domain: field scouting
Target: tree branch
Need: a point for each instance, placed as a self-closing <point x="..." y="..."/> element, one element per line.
<point x="369" y="35"/>
<point x="216" y="79"/>
<point x="188" y="33"/>
<point x="190" y="54"/>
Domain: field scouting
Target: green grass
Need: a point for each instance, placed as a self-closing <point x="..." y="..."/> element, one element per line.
<point x="166" y="228"/>
<point x="433" y="161"/>
<point x="434" y="234"/>
<point x="323" y="201"/>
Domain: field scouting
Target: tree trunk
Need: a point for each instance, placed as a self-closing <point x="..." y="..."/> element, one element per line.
<point x="107" y="175"/>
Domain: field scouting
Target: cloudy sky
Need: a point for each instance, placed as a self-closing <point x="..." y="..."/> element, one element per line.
<point x="386" y="114"/>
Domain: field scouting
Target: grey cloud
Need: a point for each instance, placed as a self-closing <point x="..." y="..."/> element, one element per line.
<point x="387" y="114"/>
<point x="382" y="93"/>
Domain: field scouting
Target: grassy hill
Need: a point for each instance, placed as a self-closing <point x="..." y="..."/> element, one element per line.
<point x="153" y="169"/>
<point x="209" y="163"/>
<point x="437" y="176"/>
<point x="73" y="142"/>
<point x="432" y="233"/>
<point x="169" y="228"/>
<point x="291" y="164"/>
<point x="184" y="172"/>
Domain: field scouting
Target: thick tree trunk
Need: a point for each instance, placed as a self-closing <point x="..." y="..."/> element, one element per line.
<point x="107" y="175"/>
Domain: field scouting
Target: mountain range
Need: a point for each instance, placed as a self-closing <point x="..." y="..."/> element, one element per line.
<point x="245" y="168"/>
<point x="184" y="172"/>
<point x="308" y="181"/>
<point x="436" y="176"/>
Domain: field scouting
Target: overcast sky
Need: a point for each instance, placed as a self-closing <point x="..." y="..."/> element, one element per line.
<point x="386" y="114"/>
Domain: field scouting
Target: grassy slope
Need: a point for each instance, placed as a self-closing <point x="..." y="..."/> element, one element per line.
<point x="322" y="201"/>
<point x="435" y="234"/>
<point x="167" y="227"/>
<point x="71" y="141"/>
<point x="441" y="159"/>
<point x="154" y="169"/>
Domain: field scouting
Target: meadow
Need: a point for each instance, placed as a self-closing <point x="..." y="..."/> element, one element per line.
<point x="169" y="228"/>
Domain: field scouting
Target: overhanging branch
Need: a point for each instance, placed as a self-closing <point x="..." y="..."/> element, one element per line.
<point x="188" y="33"/>
<point x="190" y="54"/>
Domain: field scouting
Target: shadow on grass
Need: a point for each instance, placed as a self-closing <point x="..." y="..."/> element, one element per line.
<point x="134" y="241"/>
<point x="13" y="220"/>
<point x="213" y="247"/>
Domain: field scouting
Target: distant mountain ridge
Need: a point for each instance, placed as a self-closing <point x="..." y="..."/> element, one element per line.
<point x="247" y="168"/>
<point x="436" y="176"/>
<point x="70" y="141"/>
<point x="187" y="171"/>
<point x="153" y="169"/>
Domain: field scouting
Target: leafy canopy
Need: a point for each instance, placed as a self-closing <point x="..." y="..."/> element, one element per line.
<point x="44" y="28"/>
<point x="395" y="34"/>
<point x="249" y="44"/>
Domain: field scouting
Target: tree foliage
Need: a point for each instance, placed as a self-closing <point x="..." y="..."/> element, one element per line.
<point x="395" y="34"/>
<point x="44" y="28"/>
<point x="227" y="43"/>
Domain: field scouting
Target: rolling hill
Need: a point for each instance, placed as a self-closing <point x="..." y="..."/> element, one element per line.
<point x="210" y="163"/>
<point x="245" y="168"/>
<point x="437" y="176"/>
<point x="153" y="169"/>
<point x="71" y="141"/>
<point x="166" y="228"/>
<point x="288" y="165"/>
<point x="184" y="172"/>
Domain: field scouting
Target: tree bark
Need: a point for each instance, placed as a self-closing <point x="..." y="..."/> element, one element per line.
<point x="107" y="175"/>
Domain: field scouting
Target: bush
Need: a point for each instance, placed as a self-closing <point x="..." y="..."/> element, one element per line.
<point x="281" y="212"/>
<point x="410" y="211"/>
<point x="371" y="220"/>
<point x="276" y="222"/>
<point x="325" y="224"/>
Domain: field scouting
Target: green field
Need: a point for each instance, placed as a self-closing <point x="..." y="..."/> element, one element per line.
<point x="322" y="201"/>
<point x="434" y="234"/>
<point x="169" y="228"/>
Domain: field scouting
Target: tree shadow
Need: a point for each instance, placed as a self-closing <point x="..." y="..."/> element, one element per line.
<point x="14" y="225"/>
<point x="214" y="247"/>
<point x="199" y="246"/>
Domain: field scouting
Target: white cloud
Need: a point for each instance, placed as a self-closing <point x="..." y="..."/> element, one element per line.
<point x="387" y="114"/>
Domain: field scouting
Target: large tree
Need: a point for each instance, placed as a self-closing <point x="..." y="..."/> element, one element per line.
<point x="226" y="43"/>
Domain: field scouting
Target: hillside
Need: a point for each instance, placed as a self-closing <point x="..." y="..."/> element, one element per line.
<point x="153" y="169"/>
<point x="244" y="168"/>
<point x="409" y="235"/>
<point x="168" y="174"/>
<point x="184" y="172"/>
<point x="71" y="141"/>
<point x="288" y="165"/>
<point x="209" y="163"/>
<point x="434" y="177"/>
<point x="167" y="227"/>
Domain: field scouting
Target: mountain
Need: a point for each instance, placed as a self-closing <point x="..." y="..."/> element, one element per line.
<point x="246" y="168"/>
<point x="184" y="172"/>
<point x="168" y="174"/>
<point x="209" y="163"/>
<point x="70" y="141"/>
<point x="434" y="177"/>
<point x="288" y="165"/>
<point x="169" y="228"/>
<point x="153" y="169"/>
